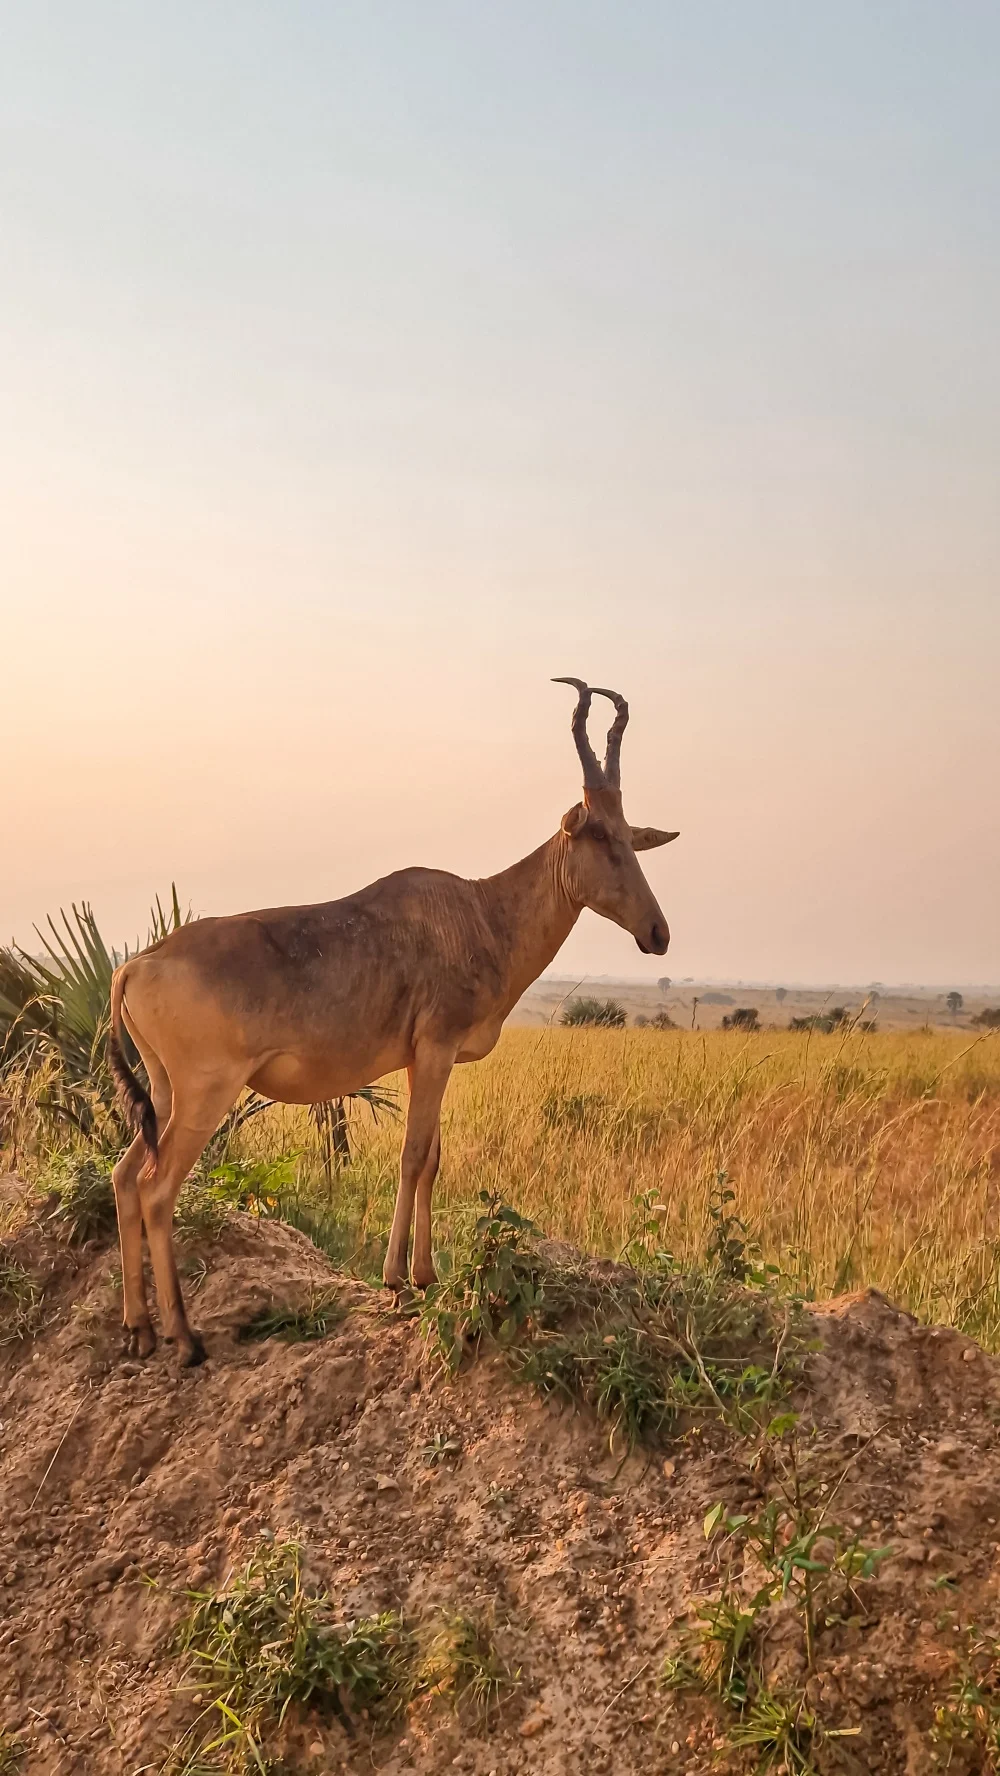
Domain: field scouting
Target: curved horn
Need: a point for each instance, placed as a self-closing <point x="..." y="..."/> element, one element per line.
<point x="612" y="766"/>
<point x="593" y="776"/>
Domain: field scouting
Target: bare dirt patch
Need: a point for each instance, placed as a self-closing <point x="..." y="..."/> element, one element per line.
<point x="123" y="1486"/>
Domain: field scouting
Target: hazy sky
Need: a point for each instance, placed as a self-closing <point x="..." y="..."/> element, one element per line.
<point x="364" y="365"/>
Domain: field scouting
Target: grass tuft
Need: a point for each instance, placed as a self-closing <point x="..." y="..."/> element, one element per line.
<point x="458" y="1661"/>
<point x="270" y="1643"/>
<point x="786" y="1562"/>
<point x="20" y="1305"/>
<point x="12" y="1753"/>
<point x="967" y="1724"/>
<point x="86" y="1207"/>
<point x="324" y="1310"/>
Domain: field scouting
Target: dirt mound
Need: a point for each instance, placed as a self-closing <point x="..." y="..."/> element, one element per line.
<point x="122" y="1485"/>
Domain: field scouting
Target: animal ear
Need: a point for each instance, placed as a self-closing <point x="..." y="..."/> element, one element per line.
<point x="647" y="838"/>
<point x="573" y="822"/>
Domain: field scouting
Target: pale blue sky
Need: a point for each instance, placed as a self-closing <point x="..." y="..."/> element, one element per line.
<point x="363" y="366"/>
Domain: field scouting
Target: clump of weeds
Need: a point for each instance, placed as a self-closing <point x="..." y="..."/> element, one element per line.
<point x="258" y="1188"/>
<point x="645" y="1345"/>
<point x="315" y="1318"/>
<point x="441" y="1448"/>
<point x="459" y="1662"/>
<point x="787" y="1562"/>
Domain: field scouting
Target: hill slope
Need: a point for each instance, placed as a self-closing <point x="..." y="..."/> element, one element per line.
<point x="410" y="1493"/>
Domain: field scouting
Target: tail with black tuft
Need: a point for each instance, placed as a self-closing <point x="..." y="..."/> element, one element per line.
<point x="134" y="1099"/>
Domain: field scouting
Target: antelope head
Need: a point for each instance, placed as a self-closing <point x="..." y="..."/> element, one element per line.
<point x="601" y="870"/>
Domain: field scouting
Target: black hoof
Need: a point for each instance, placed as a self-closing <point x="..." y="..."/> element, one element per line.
<point x="192" y="1352"/>
<point x="138" y="1341"/>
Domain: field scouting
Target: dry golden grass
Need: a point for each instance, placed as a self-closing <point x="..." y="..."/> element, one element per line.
<point x="856" y="1158"/>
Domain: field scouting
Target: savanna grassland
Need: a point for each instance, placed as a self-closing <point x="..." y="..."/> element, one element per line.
<point x="855" y="1159"/>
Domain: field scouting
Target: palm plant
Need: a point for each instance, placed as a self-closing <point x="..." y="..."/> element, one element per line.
<point x="54" y="1010"/>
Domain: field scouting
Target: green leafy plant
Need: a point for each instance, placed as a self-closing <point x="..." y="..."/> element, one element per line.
<point x="729" y="1248"/>
<point x="54" y="1011"/>
<point x="800" y="1563"/>
<point x="641" y="1348"/>
<point x="441" y="1448"/>
<point x="492" y="1292"/>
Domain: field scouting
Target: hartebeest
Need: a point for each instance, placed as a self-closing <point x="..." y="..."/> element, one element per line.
<point x="419" y="970"/>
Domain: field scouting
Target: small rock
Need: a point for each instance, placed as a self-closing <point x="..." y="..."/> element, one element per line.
<point x="103" y="1571"/>
<point x="534" y="1724"/>
<point x="970" y="1353"/>
<point x="669" y="1468"/>
<point x="385" y="1483"/>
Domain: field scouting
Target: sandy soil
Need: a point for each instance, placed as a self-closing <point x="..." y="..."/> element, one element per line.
<point x="113" y="1473"/>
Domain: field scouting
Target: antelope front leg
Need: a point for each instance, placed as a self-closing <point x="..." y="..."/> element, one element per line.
<point x="428" y="1077"/>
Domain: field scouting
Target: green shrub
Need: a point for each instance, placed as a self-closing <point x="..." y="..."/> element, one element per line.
<point x="493" y="1291"/>
<point x="745" y="1017"/>
<point x="826" y="1021"/>
<point x="606" y="1014"/>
